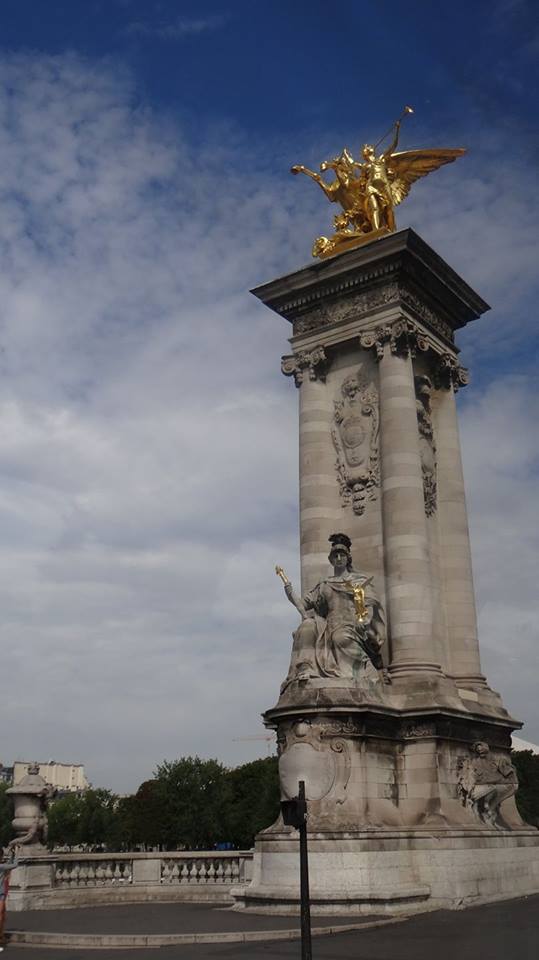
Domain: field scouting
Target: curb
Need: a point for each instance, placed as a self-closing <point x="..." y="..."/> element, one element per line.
<point x="25" y="938"/>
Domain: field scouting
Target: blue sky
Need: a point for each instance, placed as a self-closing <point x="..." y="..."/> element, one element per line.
<point x="147" y="438"/>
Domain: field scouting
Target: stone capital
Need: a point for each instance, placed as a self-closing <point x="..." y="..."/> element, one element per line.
<point x="313" y="362"/>
<point x="405" y="338"/>
<point x="449" y="373"/>
<point x="402" y="336"/>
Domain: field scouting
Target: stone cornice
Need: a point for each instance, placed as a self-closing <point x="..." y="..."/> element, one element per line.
<point x="402" y="259"/>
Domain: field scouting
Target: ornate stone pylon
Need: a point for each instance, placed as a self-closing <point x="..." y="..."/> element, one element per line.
<point x="403" y="813"/>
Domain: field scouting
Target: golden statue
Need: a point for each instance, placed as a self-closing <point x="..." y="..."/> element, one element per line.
<point x="369" y="189"/>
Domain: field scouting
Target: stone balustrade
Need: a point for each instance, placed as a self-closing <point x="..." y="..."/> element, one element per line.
<point x="92" y="873"/>
<point x="198" y="870"/>
<point x="51" y="880"/>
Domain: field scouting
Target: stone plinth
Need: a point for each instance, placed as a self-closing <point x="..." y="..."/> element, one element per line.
<point x="400" y="816"/>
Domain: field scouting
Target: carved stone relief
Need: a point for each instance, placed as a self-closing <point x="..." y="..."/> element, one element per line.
<point x="484" y="782"/>
<point x="427" y="443"/>
<point x="347" y="309"/>
<point x="416" y="729"/>
<point x="355" y="436"/>
<point x="322" y="760"/>
<point x="314" y="362"/>
<point x="360" y="304"/>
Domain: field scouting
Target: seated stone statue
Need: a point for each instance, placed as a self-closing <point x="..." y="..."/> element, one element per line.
<point x="484" y="782"/>
<point x="342" y="629"/>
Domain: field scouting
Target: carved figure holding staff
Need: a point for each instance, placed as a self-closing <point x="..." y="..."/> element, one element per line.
<point x="342" y="629"/>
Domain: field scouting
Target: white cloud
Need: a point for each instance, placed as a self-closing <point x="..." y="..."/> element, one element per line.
<point x="147" y="439"/>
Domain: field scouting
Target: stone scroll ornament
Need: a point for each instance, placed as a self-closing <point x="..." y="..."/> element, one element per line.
<point x="484" y="782"/>
<point x="355" y="436"/>
<point x="427" y="443"/>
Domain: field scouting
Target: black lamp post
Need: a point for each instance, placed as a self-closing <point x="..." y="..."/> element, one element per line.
<point x="295" y="815"/>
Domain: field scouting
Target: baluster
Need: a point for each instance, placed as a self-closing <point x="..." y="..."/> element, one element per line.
<point x="109" y="876"/>
<point x="90" y="877"/>
<point x="175" y="873"/>
<point x="165" y="871"/>
<point x="210" y="878"/>
<point x="99" y="873"/>
<point x="219" y="872"/>
<point x="235" y="870"/>
<point x="228" y="872"/>
<point x="116" y="872"/>
<point x="129" y="871"/>
<point x="75" y="870"/>
<point x="184" y="873"/>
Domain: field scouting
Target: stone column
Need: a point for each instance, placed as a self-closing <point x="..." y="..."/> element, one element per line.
<point x="455" y="553"/>
<point x="408" y="577"/>
<point x="319" y="513"/>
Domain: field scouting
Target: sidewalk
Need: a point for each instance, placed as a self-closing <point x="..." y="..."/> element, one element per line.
<point x="506" y="930"/>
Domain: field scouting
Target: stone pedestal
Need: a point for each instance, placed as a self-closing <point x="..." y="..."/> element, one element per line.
<point x="399" y="814"/>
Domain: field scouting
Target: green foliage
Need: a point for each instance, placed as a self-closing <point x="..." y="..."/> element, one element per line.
<point x="254" y="801"/>
<point x="194" y="797"/>
<point x="6" y="815"/>
<point x="527" y="798"/>
<point x="190" y="804"/>
<point x="87" y="819"/>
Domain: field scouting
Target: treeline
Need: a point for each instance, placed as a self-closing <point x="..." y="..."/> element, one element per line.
<point x="190" y="804"/>
<point x="194" y="804"/>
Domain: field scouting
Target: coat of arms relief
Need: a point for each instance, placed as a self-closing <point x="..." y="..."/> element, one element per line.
<point x="355" y="435"/>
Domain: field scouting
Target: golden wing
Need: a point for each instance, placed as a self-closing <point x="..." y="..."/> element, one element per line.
<point x="407" y="167"/>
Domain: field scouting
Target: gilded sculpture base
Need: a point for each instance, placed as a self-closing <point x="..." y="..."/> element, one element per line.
<point x="325" y="247"/>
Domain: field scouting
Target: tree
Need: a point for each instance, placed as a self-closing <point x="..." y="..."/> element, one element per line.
<point x="194" y="796"/>
<point x="254" y="802"/>
<point x="84" y="819"/>
<point x="527" y="798"/>
<point x="6" y="815"/>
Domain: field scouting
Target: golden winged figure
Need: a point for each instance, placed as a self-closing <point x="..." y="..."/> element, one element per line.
<point x="369" y="189"/>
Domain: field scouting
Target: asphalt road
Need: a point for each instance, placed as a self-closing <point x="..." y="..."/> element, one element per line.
<point x="500" y="931"/>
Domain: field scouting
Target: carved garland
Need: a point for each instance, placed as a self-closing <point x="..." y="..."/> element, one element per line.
<point x="427" y="443"/>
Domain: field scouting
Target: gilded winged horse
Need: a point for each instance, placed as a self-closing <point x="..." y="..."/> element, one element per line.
<point x="369" y="189"/>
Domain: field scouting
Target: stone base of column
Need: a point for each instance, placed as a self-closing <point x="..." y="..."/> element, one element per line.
<point x="396" y="872"/>
<point x="392" y="826"/>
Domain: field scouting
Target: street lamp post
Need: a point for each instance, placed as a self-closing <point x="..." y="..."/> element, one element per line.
<point x="295" y="815"/>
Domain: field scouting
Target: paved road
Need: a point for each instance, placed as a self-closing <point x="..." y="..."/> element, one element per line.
<point x="500" y="931"/>
<point x="157" y="918"/>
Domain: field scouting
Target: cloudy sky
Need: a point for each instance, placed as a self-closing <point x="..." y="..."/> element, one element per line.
<point x="148" y="476"/>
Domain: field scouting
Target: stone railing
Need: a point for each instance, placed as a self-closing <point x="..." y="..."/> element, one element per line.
<point x="78" y="879"/>
<point x="198" y="870"/>
<point x="92" y="873"/>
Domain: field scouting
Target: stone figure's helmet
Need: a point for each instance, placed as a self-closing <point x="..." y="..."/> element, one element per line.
<point x="342" y="542"/>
